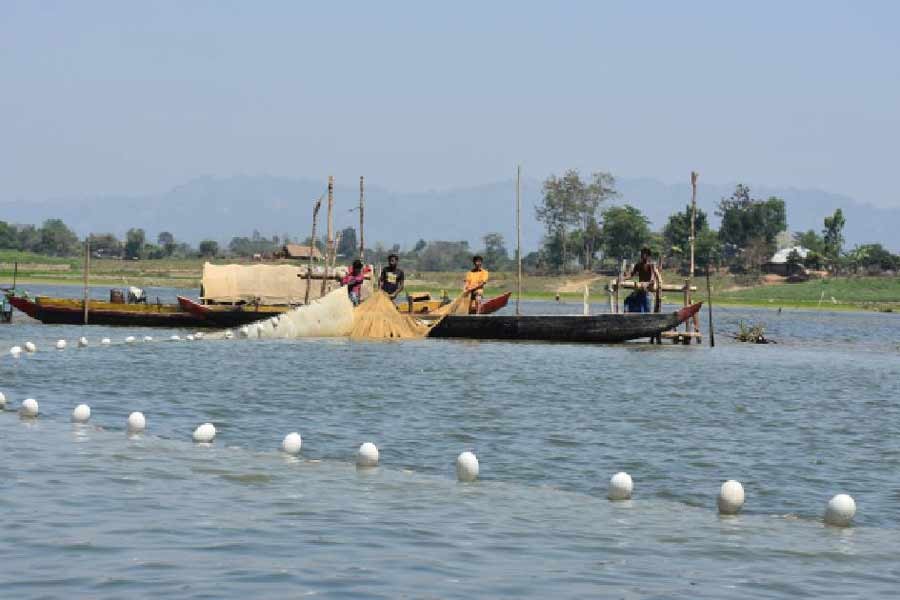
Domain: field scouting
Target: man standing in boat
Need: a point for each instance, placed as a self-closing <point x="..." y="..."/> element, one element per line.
<point x="392" y="277"/>
<point x="648" y="279"/>
<point x="354" y="281"/>
<point x="475" y="281"/>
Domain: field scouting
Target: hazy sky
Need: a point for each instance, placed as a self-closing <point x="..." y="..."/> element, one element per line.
<point x="137" y="97"/>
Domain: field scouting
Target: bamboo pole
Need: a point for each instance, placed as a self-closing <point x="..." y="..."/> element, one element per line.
<point x="15" y="274"/>
<point x="87" y="267"/>
<point x="712" y="332"/>
<point x="312" y="249"/>
<point x="518" y="238"/>
<point x="586" y="308"/>
<point x="330" y="239"/>
<point x="694" y="323"/>
<point x="694" y="176"/>
<point x="362" y="219"/>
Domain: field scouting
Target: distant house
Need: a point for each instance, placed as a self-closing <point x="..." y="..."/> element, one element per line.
<point x="298" y="252"/>
<point x="779" y="264"/>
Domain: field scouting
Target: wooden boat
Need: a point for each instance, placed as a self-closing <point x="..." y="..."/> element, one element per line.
<point x="71" y="311"/>
<point x="228" y="315"/>
<point x="605" y="328"/>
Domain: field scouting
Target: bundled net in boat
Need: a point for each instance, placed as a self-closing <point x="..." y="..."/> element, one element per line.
<point x="378" y="318"/>
<point x="459" y="306"/>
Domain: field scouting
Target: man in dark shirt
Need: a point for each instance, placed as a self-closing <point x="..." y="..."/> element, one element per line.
<point x="392" y="278"/>
<point x="647" y="279"/>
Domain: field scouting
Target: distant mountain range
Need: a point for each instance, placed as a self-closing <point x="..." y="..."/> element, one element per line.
<point x="220" y="208"/>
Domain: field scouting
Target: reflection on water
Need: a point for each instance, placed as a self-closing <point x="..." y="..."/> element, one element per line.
<point x="90" y="511"/>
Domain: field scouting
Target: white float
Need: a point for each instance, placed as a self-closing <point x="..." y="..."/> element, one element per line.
<point x="198" y="335"/>
<point x="367" y="456"/>
<point x="61" y="344"/>
<point x="130" y="339"/>
<point x="291" y="443"/>
<point x="81" y="414"/>
<point x="840" y="510"/>
<point x="273" y="321"/>
<point x="244" y="331"/>
<point x="620" y="486"/>
<point x="30" y="347"/>
<point x="82" y="342"/>
<point x="467" y="467"/>
<point x="228" y="334"/>
<point x="205" y="433"/>
<point x="105" y="342"/>
<point x="15" y="351"/>
<point x="136" y="422"/>
<point x="148" y="338"/>
<point x="30" y="407"/>
<point x="2" y="401"/>
<point x="731" y="497"/>
<point x="175" y="337"/>
<point x="189" y="337"/>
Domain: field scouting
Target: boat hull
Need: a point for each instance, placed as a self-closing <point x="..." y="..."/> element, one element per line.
<point x="606" y="328"/>
<point x="71" y="312"/>
<point x="223" y="315"/>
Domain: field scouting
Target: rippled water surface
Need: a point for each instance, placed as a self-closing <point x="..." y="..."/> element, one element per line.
<point x="89" y="512"/>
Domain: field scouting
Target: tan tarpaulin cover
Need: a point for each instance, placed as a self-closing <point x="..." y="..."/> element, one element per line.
<point x="268" y="284"/>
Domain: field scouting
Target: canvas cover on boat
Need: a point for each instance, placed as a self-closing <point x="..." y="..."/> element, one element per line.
<point x="266" y="284"/>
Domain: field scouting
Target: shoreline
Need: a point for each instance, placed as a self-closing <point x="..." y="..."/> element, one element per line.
<point x="532" y="296"/>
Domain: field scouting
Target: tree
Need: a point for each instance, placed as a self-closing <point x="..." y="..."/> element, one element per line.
<point x="810" y="240"/>
<point x="495" y="254"/>
<point x="677" y="236"/>
<point x="746" y="220"/>
<point x="9" y="238"/>
<point x="625" y="229"/>
<point x="833" y="236"/>
<point x="208" y="248"/>
<point x="29" y="238"/>
<point x="420" y="245"/>
<point x="105" y="244"/>
<point x="445" y="256"/>
<point x="348" y="246"/>
<point x="134" y="243"/>
<point x="570" y="202"/>
<point x="166" y="241"/>
<point x="57" y="239"/>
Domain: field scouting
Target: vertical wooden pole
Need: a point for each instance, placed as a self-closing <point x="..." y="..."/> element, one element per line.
<point x="712" y="333"/>
<point x="518" y="238"/>
<point x="15" y="274"/>
<point x="312" y="249"/>
<point x="694" y="176"/>
<point x="87" y="267"/>
<point x="330" y="239"/>
<point x="362" y="219"/>
<point x="586" y="308"/>
<point x="619" y="284"/>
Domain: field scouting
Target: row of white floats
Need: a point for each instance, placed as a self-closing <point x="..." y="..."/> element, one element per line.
<point x="839" y="511"/>
<point x="30" y="347"/>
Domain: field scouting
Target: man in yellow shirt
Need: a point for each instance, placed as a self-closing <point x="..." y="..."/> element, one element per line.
<point x="475" y="280"/>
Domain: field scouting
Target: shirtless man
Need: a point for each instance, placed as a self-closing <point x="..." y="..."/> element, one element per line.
<point x="648" y="278"/>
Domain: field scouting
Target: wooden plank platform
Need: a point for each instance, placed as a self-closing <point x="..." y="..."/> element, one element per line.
<point x="682" y="337"/>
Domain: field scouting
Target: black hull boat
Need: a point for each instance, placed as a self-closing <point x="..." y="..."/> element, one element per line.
<point x="605" y="328"/>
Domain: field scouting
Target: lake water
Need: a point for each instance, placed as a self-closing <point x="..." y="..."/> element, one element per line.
<point x="89" y="512"/>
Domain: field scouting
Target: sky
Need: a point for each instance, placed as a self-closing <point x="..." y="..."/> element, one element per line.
<point x="138" y="97"/>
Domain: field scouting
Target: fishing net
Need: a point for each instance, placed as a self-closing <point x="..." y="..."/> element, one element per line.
<point x="378" y="318"/>
<point x="329" y="316"/>
<point x="459" y="306"/>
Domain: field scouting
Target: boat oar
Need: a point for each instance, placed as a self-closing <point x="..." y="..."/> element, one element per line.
<point x="712" y="332"/>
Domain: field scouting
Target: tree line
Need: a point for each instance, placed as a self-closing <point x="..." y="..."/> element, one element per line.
<point x="584" y="230"/>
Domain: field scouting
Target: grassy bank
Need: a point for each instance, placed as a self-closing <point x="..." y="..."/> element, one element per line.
<point x="843" y="293"/>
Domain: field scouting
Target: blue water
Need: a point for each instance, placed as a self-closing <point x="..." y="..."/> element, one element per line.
<point x="89" y="512"/>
